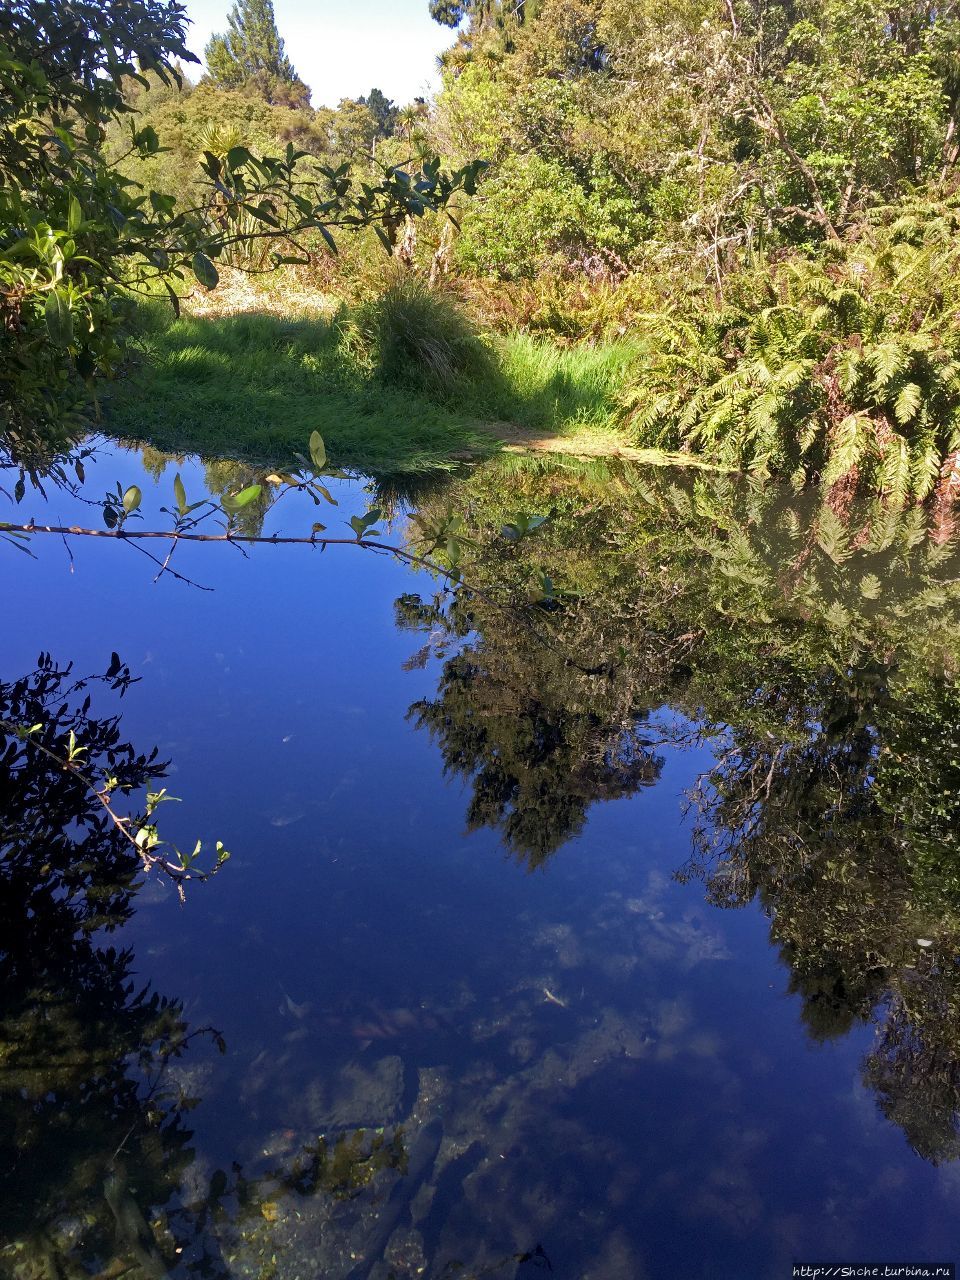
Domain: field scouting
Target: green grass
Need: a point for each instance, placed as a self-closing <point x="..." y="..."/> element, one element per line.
<point x="254" y="386"/>
<point x="564" y="389"/>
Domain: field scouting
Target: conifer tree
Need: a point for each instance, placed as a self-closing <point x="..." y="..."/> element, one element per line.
<point x="251" y="52"/>
<point x="383" y="110"/>
<point x="449" y="13"/>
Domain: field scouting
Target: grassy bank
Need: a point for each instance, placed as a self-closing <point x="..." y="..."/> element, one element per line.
<point x="398" y="385"/>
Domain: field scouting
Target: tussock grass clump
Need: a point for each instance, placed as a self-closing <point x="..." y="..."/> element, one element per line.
<point x="415" y="336"/>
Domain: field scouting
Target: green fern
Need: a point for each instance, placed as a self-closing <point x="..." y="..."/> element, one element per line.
<point x="894" y="477"/>
<point x="908" y="403"/>
<point x="832" y="536"/>
<point x="847" y="366"/>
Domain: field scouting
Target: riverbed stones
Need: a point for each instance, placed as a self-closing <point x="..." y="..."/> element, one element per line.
<point x="357" y="1097"/>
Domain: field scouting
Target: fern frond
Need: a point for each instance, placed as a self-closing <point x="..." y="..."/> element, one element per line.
<point x="888" y="359"/>
<point x="894" y="477"/>
<point x="847" y="447"/>
<point x="926" y="469"/>
<point x="908" y="402"/>
<point x="837" y="616"/>
<point x="832" y="536"/>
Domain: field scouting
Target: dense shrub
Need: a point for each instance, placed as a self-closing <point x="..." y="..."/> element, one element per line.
<point x="846" y="367"/>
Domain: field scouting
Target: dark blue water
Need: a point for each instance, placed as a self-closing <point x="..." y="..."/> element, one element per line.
<point x="588" y="1058"/>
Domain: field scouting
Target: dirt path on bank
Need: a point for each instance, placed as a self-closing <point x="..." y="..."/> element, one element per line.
<point x="606" y="445"/>
<point x="516" y="439"/>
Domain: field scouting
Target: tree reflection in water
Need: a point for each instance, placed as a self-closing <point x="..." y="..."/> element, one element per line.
<point x="92" y="1119"/>
<point x="815" y="649"/>
<point x="82" y="1051"/>
<point x="537" y="752"/>
<point x="838" y="854"/>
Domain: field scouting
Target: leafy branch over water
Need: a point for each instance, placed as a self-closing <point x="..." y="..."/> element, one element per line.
<point x="141" y="833"/>
<point x="443" y="531"/>
<point x="38" y="719"/>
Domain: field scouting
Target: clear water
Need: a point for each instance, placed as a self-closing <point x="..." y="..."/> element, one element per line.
<point x="588" y="1066"/>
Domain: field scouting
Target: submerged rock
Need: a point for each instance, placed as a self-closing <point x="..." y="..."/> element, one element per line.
<point x="358" y="1098"/>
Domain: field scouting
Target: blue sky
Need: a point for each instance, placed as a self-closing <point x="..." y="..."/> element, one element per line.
<point x="343" y="48"/>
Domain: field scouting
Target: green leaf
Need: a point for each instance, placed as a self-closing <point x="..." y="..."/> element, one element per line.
<point x="180" y="494"/>
<point x="362" y="525"/>
<point x="146" y="139"/>
<point x="233" y="502"/>
<point x="132" y="499"/>
<point x="318" y="452"/>
<point x="330" y="242"/>
<point x="174" y="299"/>
<point x="56" y="312"/>
<point x="205" y="271"/>
<point x="86" y="363"/>
<point x="521" y="525"/>
<point x="212" y="165"/>
<point x="263" y="214"/>
<point x="74" y="216"/>
<point x="162" y="203"/>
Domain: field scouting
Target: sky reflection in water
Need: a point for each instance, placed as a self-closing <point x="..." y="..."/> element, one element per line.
<point x="589" y="1058"/>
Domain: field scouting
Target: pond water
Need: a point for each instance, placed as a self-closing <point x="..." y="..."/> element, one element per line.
<point x="617" y="938"/>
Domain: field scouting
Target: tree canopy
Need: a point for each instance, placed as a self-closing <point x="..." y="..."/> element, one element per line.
<point x="79" y="237"/>
<point x="762" y="193"/>
<point x="251" y="53"/>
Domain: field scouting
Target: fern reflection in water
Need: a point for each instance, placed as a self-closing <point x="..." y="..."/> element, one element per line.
<point x="814" y="646"/>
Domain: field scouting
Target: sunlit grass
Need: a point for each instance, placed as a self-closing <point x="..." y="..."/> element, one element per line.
<point x="255" y="386"/>
<point x="564" y="389"/>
